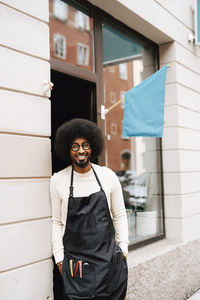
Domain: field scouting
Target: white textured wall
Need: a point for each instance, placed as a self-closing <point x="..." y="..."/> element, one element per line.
<point x="181" y="142"/>
<point x="25" y="153"/>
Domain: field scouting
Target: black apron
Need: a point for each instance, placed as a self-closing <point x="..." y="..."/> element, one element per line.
<point x="94" y="266"/>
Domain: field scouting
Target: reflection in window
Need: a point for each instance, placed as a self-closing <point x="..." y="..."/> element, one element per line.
<point x="123" y="71"/>
<point x="59" y="45"/>
<point x="112" y="69"/>
<point x="60" y="10"/>
<point x="112" y="97"/>
<point x="72" y="39"/>
<point x="122" y="97"/>
<point x="137" y="71"/>
<point x="113" y="128"/>
<point x="136" y="160"/>
<point x="82" y="54"/>
<point x="82" y="21"/>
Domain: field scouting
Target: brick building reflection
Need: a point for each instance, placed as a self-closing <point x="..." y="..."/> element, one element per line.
<point x="118" y="79"/>
<point x="71" y="35"/>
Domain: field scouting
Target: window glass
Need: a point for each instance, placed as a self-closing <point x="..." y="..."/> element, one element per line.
<point x="128" y="60"/>
<point x="123" y="71"/>
<point x="60" y="10"/>
<point x="71" y="34"/>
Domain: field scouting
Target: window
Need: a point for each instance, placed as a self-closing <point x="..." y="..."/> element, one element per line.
<point x="136" y="160"/>
<point x="60" y="10"/>
<point x="122" y="97"/>
<point x="112" y="97"/>
<point x="123" y="71"/>
<point x="82" y="54"/>
<point x="113" y="128"/>
<point x="74" y="22"/>
<point x="82" y="21"/>
<point x="137" y="71"/>
<point x="59" y="43"/>
<point x="112" y="69"/>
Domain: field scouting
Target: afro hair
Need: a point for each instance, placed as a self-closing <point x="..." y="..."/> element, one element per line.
<point x="77" y="128"/>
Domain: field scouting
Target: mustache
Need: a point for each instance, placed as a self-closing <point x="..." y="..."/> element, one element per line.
<point x="82" y="154"/>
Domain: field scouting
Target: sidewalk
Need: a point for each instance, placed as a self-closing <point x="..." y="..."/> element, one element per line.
<point x="196" y="296"/>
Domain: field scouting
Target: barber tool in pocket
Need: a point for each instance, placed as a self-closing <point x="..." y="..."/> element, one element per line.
<point x="74" y="266"/>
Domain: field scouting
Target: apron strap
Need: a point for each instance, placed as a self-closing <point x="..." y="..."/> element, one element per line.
<point x="97" y="178"/>
<point x="71" y="188"/>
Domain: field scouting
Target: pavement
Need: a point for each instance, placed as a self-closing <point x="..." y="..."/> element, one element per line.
<point x="195" y="296"/>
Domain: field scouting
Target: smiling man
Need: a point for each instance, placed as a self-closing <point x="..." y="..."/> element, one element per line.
<point x="80" y="154"/>
<point x="89" y="233"/>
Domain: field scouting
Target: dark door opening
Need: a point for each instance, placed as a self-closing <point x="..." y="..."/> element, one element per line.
<point x="71" y="97"/>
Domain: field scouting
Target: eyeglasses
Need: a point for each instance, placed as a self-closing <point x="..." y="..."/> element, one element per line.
<point x="75" y="146"/>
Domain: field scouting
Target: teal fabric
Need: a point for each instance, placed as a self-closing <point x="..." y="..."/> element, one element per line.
<point x="144" y="107"/>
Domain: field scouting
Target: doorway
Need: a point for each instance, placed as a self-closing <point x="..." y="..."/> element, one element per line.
<point x="71" y="97"/>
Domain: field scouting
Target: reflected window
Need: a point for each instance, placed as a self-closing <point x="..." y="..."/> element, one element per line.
<point x="123" y="71"/>
<point x="60" y="10"/>
<point x="82" y="21"/>
<point x="122" y="97"/>
<point x="112" y="97"/>
<point x="59" y="45"/>
<point x="82" y="55"/>
<point x="113" y="128"/>
<point x="136" y="160"/>
<point x="112" y="69"/>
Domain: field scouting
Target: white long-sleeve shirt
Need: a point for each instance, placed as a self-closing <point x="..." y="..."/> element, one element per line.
<point x="84" y="185"/>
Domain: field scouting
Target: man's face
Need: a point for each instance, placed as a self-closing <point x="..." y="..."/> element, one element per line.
<point x="80" y="152"/>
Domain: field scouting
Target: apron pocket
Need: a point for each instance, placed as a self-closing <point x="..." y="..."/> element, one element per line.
<point x="76" y="280"/>
<point x="118" y="272"/>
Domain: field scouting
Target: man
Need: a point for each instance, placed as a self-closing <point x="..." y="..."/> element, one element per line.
<point x="89" y="233"/>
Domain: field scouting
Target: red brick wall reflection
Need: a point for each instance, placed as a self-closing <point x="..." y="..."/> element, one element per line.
<point x="73" y="36"/>
<point x="113" y="83"/>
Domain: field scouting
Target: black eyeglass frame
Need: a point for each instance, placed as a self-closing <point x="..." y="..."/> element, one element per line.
<point x="85" y="145"/>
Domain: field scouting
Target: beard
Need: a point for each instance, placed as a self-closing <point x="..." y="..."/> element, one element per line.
<point x="82" y="164"/>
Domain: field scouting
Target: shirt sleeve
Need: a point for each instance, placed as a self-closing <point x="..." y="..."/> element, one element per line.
<point x="119" y="213"/>
<point x="57" y="226"/>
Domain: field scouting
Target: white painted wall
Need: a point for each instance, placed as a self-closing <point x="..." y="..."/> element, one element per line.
<point x="25" y="152"/>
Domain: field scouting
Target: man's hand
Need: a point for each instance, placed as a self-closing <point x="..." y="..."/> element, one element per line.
<point x="59" y="265"/>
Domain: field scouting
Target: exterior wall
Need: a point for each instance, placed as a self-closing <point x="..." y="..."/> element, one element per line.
<point x="25" y="160"/>
<point x="181" y="148"/>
